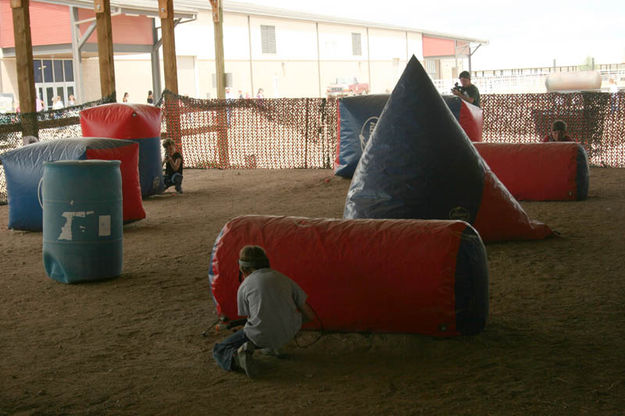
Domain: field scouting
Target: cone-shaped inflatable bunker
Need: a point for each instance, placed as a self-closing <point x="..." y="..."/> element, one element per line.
<point x="419" y="163"/>
<point x="359" y="114"/>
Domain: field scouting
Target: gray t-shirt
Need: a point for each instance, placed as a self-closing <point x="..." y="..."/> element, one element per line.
<point x="270" y="300"/>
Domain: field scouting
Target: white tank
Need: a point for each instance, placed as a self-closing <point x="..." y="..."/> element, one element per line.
<point x="573" y="81"/>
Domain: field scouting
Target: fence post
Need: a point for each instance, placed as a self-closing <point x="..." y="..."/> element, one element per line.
<point x="306" y="100"/>
<point x="223" y="119"/>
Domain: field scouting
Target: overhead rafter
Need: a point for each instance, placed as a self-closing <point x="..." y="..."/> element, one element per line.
<point x="128" y="7"/>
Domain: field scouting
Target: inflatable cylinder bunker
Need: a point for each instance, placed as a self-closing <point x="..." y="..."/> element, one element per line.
<point x="555" y="171"/>
<point x="140" y="123"/>
<point x="412" y="276"/>
<point x="359" y="115"/>
<point x="23" y="170"/>
<point x="82" y="220"/>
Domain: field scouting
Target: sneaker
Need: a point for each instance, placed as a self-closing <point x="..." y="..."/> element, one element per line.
<point x="246" y="360"/>
<point x="273" y="352"/>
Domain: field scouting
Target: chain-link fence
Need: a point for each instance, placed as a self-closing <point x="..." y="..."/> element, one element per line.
<point x="288" y="133"/>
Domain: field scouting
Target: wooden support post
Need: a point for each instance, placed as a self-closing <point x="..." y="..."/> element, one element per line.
<point x="25" y="68"/>
<point x="102" y="10"/>
<point x="166" y="13"/>
<point x="220" y="66"/>
<point x="172" y="105"/>
<point x="225" y="115"/>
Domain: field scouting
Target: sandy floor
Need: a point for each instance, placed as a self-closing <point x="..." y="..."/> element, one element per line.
<point x="554" y="344"/>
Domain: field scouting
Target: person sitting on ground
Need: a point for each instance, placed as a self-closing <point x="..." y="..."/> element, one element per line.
<point x="275" y="307"/>
<point x="173" y="166"/>
<point x="468" y="92"/>
<point x="558" y="133"/>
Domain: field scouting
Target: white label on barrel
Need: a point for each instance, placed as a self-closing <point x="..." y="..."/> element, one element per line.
<point x="66" y="230"/>
<point x="104" y="229"/>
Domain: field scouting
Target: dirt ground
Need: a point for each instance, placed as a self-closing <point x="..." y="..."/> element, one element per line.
<point x="139" y="345"/>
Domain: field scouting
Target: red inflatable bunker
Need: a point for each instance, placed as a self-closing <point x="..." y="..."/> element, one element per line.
<point x="413" y="276"/>
<point x="131" y="189"/>
<point x="140" y="123"/>
<point x="471" y="119"/>
<point x="539" y="171"/>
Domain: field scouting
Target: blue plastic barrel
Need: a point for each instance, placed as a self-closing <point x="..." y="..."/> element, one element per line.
<point x="82" y="220"/>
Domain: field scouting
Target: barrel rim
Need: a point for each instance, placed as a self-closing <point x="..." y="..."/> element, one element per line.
<point x="82" y="162"/>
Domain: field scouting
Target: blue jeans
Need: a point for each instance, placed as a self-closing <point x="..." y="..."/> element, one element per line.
<point x="175" y="179"/>
<point x="224" y="351"/>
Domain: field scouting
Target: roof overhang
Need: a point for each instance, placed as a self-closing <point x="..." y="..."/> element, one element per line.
<point x="129" y="7"/>
<point x="261" y="10"/>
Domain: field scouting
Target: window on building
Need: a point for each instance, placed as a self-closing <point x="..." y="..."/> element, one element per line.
<point x="431" y="67"/>
<point x="53" y="77"/>
<point x="69" y="70"/>
<point x="49" y="97"/>
<point x="47" y="71"/>
<point x="58" y="71"/>
<point x="268" y="38"/>
<point x="356" y="44"/>
<point x="38" y="75"/>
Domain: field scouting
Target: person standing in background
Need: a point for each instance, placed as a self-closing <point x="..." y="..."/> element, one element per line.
<point x="57" y="103"/>
<point x="468" y="92"/>
<point x="150" y="99"/>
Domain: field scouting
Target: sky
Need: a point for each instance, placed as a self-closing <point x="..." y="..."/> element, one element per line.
<point x="523" y="33"/>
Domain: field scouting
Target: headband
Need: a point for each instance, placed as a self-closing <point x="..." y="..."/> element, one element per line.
<point x="245" y="263"/>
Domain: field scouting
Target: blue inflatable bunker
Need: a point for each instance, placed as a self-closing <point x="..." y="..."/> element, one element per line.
<point x="420" y="164"/>
<point x="140" y="123"/>
<point x="23" y="169"/>
<point x="359" y="115"/>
